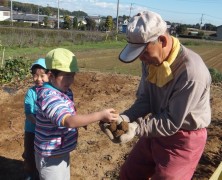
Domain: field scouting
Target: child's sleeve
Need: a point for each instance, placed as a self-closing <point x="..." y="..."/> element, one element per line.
<point x="56" y="108"/>
<point x="29" y="101"/>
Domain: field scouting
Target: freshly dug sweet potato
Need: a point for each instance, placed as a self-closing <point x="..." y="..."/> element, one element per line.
<point x="113" y="126"/>
<point x="123" y="126"/>
<point x="118" y="130"/>
<point x="118" y="133"/>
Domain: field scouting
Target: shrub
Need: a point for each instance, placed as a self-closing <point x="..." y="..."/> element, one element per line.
<point x="215" y="75"/>
<point x="14" y="69"/>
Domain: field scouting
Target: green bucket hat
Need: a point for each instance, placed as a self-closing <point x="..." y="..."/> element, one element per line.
<point x="61" y="59"/>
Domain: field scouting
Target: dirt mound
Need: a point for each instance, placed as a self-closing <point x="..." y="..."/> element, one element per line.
<point x="95" y="157"/>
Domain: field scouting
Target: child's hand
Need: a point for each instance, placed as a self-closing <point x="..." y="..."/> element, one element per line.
<point x="109" y="115"/>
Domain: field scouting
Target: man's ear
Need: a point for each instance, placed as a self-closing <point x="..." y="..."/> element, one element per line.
<point x="162" y="39"/>
<point x="50" y="75"/>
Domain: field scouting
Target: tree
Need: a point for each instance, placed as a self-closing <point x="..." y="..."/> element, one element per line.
<point x="79" y="14"/>
<point x="91" y="24"/>
<point x="181" y="29"/>
<point x="109" y="23"/>
<point x="125" y="17"/>
<point x="102" y="26"/>
<point x="75" y="23"/>
<point x="46" y="21"/>
<point x="4" y="3"/>
<point x="82" y="26"/>
<point x="47" y="11"/>
<point x="209" y="27"/>
<point x="67" y="22"/>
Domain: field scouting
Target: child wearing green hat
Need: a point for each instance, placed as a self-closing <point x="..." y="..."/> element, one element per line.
<point x="57" y="120"/>
<point x="39" y="75"/>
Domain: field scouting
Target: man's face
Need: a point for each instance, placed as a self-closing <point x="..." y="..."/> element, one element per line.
<point x="153" y="53"/>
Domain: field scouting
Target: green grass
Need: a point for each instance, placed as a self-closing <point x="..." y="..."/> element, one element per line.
<point x="94" y="56"/>
<point x="93" y="52"/>
<point x="109" y="64"/>
<point x="34" y="52"/>
<point x="103" y="56"/>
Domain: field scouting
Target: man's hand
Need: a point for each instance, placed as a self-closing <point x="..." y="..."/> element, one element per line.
<point x="105" y="128"/>
<point x="130" y="134"/>
<point x="115" y="129"/>
<point x="121" y="131"/>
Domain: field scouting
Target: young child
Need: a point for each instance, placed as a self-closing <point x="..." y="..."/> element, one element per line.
<point x="39" y="75"/>
<point x="57" y="121"/>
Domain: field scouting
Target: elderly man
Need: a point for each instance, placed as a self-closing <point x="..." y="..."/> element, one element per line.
<point x="175" y="93"/>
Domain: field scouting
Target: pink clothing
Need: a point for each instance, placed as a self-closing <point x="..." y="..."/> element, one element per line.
<point x="165" y="158"/>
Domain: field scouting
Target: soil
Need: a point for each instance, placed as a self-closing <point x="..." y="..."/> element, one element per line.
<point x="96" y="157"/>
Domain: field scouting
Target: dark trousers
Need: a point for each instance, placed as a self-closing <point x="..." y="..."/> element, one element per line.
<point x="28" y="155"/>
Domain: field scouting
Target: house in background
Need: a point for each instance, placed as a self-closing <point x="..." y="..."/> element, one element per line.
<point x="124" y="25"/>
<point x="5" y="13"/>
<point x="219" y="32"/>
<point x="30" y="18"/>
<point x="97" y="19"/>
<point x="81" y="21"/>
<point x="126" y="21"/>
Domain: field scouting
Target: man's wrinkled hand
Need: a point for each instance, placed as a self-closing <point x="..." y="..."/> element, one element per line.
<point x="130" y="134"/>
<point x="115" y="129"/>
<point x="105" y="128"/>
<point x="121" y="131"/>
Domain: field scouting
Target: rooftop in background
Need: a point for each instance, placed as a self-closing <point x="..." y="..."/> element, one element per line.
<point x="2" y="8"/>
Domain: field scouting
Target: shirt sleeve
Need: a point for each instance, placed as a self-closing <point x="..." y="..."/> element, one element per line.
<point x="184" y="103"/>
<point x="141" y="106"/>
<point x="56" y="108"/>
<point x="29" y="101"/>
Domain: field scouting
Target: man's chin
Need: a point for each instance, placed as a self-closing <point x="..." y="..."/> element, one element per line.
<point x="39" y="85"/>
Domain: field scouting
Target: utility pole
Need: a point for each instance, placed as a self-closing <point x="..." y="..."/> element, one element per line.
<point x="117" y="19"/>
<point x="201" y="20"/>
<point x="11" y="14"/>
<point x="38" y="15"/>
<point x="130" y="9"/>
<point x="58" y="14"/>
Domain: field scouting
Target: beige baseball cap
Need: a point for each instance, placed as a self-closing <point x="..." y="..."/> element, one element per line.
<point x="143" y="28"/>
<point x="61" y="59"/>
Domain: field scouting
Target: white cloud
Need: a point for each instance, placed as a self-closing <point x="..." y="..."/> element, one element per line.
<point x="91" y="7"/>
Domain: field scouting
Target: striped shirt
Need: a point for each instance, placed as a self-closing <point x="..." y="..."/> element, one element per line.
<point x="51" y="137"/>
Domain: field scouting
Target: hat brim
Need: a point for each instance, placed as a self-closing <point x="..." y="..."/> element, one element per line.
<point x="131" y="52"/>
<point x="39" y="62"/>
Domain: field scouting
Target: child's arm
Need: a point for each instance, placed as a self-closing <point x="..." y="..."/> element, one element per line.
<point x="29" y="105"/>
<point x="31" y="118"/>
<point x="78" y="120"/>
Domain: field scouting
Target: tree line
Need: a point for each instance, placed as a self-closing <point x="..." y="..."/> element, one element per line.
<point x="106" y="23"/>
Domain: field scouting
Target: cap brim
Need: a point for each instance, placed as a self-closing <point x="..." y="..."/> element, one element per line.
<point x="40" y="62"/>
<point x="131" y="52"/>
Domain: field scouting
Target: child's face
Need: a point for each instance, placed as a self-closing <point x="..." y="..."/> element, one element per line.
<point x="40" y="77"/>
<point x="63" y="81"/>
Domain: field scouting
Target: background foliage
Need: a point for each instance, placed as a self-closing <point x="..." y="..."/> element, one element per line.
<point x="14" y="70"/>
<point x="24" y="45"/>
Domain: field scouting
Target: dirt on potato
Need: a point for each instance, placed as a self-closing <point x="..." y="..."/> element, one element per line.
<point x="96" y="157"/>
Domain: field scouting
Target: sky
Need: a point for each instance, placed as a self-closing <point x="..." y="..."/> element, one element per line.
<point x="178" y="11"/>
